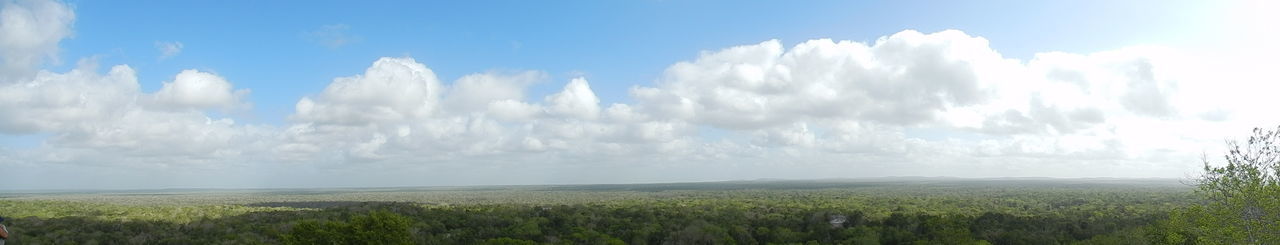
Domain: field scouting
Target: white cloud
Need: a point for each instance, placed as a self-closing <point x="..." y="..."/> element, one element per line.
<point x="1091" y="108"/>
<point x="1065" y="93"/>
<point x="192" y="89"/>
<point x="910" y="103"/>
<point x="392" y="90"/>
<point x="478" y="118"/>
<point x="817" y="104"/>
<point x="90" y="119"/>
<point x="477" y="92"/>
<point x="798" y="134"/>
<point x="168" y="49"/>
<point x="906" y="78"/>
<point x="29" y="35"/>
<point x="513" y="110"/>
<point x="99" y="119"/>
<point x="576" y="101"/>
<point x="76" y="99"/>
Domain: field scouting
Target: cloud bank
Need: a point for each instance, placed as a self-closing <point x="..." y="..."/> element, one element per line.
<point x="910" y="103"/>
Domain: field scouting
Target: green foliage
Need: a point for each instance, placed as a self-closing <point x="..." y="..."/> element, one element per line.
<point x="377" y="227"/>
<point x="381" y="227"/>
<point x="507" y="241"/>
<point x="315" y="232"/>
<point x="1242" y="198"/>
<point x="1027" y="212"/>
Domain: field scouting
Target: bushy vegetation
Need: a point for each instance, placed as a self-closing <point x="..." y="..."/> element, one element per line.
<point x="1240" y="198"/>
<point x="788" y="212"/>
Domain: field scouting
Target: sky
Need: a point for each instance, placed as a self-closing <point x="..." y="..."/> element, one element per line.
<point x="295" y="94"/>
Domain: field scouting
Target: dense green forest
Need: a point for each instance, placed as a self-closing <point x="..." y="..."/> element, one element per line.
<point x="897" y="211"/>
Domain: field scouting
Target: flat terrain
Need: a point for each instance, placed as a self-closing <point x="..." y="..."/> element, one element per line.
<point x="882" y="210"/>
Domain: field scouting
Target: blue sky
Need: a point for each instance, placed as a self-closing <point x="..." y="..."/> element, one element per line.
<point x="619" y="91"/>
<point x="268" y="47"/>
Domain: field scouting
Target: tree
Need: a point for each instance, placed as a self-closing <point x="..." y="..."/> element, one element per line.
<point x="315" y="232"/>
<point x="378" y="227"/>
<point x="508" y="241"/>
<point x="1242" y="196"/>
<point x="381" y="227"/>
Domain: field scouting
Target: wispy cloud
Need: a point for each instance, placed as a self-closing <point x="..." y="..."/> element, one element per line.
<point x="332" y="36"/>
<point x="168" y="49"/>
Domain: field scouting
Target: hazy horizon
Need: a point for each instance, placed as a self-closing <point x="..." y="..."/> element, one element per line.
<point x="916" y="180"/>
<point x="146" y="95"/>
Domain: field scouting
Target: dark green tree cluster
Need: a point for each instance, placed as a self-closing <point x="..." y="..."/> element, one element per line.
<point x="377" y="227"/>
<point x="613" y="223"/>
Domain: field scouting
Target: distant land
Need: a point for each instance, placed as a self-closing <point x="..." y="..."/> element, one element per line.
<point x="766" y="183"/>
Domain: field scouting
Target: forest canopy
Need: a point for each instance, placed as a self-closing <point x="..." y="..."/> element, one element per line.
<point x="929" y="211"/>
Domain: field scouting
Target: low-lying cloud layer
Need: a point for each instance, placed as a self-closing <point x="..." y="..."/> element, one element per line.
<point x="910" y="103"/>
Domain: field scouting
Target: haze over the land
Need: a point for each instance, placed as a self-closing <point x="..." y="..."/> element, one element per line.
<point x="300" y="94"/>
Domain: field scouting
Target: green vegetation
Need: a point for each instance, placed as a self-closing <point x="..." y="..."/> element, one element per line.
<point x="1241" y="198"/>
<point x="376" y="227"/>
<point x="885" y="211"/>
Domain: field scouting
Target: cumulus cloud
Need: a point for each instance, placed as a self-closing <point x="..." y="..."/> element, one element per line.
<point x="192" y="89"/>
<point x="1064" y="93"/>
<point x="905" y="78"/>
<point x="481" y="118"/>
<point x="576" y="101"/>
<point x="816" y="103"/>
<point x="89" y="118"/>
<point x="101" y="118"/>
<point x="395" y="108"/>
<point x="913" y="96"/>
<point x="477" y="92"/>
<point x="29" y="35"/>
<point x="55" y="101"/>
<point x="392" y="90"/>
<point x="910" y="103"/>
